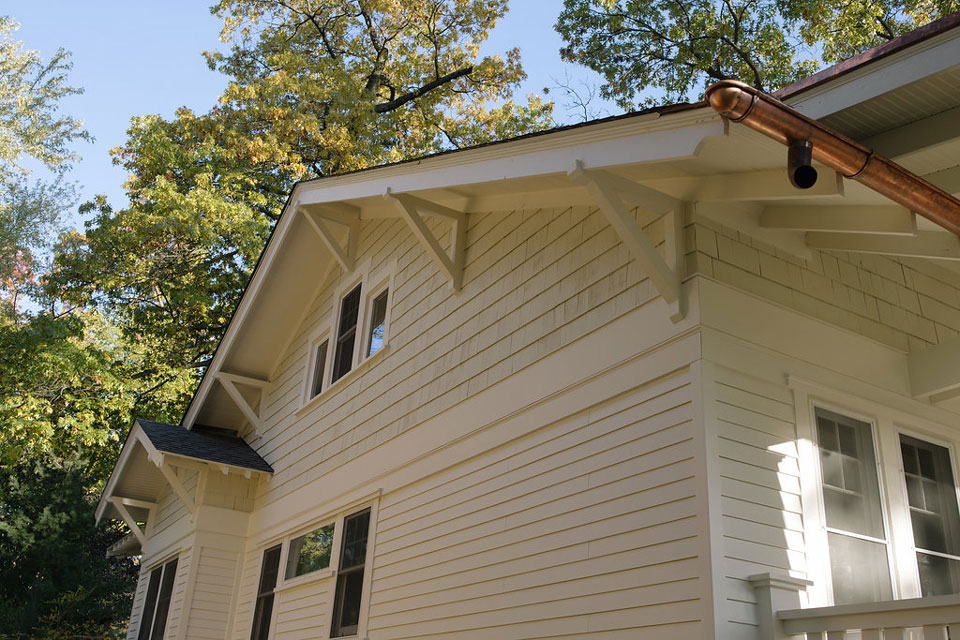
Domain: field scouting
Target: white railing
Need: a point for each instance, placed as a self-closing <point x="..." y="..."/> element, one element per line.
<point x="918" y="618"/>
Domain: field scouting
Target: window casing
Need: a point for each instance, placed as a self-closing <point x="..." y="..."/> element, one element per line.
<point x="329" y="555"/>
<point x="917" y="503"/>
<point x="348" y="596"/>
<point x="263" y="609"/>
<point x="358" y="330"/>
<point x="156" y="606"/>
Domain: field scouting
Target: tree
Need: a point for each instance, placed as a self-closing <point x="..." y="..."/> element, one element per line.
<point x="32" y="128"/>
<point x="55" y="579"/>
<point x="670" y="51"/>
<point x="318" y="88"/>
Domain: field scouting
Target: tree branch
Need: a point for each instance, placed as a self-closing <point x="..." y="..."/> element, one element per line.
<point x="396" y="103"/>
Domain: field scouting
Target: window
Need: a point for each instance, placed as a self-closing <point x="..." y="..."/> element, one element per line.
<point x="932" y="503"/>
<point x="378" y="323"/>
<point x="309" y="552"/>
<point x="263" y="610"/>
<point x="346" y="334"/>
<point x="856" y="535"/>
<point x="349" y="588"/>
<point x="157" y="604"/>
<point x="319" y="363"/>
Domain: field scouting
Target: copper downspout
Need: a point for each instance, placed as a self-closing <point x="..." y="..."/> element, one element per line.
<point x="740" y="102"/>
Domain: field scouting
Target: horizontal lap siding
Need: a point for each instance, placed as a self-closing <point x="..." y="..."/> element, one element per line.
<point x="303" y="612"/>
<point x="762" y="521"/>
<point x="212" y="593"/>
<point x="534" y="281"/>
<point x="585" y="527"/>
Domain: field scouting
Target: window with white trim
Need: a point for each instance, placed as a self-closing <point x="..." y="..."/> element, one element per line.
<point x="932" y="503"/>
<point x="156" y="606"/>
<point x="889" y="508"/>
<point x="853" y="512"/>
<point x="357" y="331"/>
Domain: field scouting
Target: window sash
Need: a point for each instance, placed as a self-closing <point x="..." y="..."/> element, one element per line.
<point x="319" y="363"/>
<point x="156" y="607"/>
<point x="263" y="607"/>
<point x="346" y="334"/>
<point x="350" y="575"/>
<point x="856" y="532"/>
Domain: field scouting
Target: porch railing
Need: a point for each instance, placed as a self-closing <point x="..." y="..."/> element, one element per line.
<point x="918" y="618"/>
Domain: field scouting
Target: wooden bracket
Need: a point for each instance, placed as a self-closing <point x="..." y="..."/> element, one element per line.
<point x="229" y="382"/>
<point x="121" y="504"/>
<point x="344" y="215"/>
<point x="411" y="209"/>
<point x="608" y="192"/>
<point x="177" y="486"/>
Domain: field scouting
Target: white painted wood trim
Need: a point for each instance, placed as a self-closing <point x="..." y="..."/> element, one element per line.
<point x="409" y="208"/>
<point x="606" y="196"/>
<point x="252" y="416"/>
<point x="925" y="244"/>
<point x="880" y="220"/>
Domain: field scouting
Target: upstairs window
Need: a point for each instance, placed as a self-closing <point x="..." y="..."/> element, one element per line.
<point x="346" y="334"/>
<point x="377" y="327"/>
<point x="156" y="606"/>
<point x="319" y="364"/>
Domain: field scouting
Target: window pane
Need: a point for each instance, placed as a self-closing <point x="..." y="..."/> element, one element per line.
<point x="310" y="552"/>
<point x="932" y="497"/>
<point x="859" y="569"/>
<point x="263" y="610"/>
<point x="346" y="334"/>
<point x="163" y="600"/>
<point x="355" y="540"/>
<point x="349" y="591"/>
<point x="150" y="604"/>
<point x="938" y="576"/>
<point x="378" y="316"/>
<point x="320" y="359"/>
<point x="851" y="489"/>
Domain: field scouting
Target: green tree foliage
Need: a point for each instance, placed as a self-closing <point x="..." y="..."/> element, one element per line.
<point x="670" y="51"/>
<point x="318" y="87"/>
<point x="31" y="128"/>
<point x="55" y="579"/>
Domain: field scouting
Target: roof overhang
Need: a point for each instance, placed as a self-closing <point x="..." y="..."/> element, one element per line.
<point x="734" y="175"/>
<point x="142" y="472"/>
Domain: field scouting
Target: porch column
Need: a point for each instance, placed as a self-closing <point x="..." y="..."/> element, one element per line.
<point x="776" y="592"/>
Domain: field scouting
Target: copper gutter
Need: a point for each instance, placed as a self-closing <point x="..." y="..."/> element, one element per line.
<point x="740" y="102"/>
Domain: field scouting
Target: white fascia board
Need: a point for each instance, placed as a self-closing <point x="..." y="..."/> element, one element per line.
<point x="525" y="158"/>
<point x="937" y="54"/>
<point x="135" y="435"/>
<point x="646" y="138"/>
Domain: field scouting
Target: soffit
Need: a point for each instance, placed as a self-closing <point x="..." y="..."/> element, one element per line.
<point x="900" y="106"/>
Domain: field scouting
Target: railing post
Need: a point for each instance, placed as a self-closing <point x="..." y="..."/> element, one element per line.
<point x="775" y="592"/>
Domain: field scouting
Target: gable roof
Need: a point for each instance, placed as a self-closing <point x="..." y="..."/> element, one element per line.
<point x="201" y="444"/>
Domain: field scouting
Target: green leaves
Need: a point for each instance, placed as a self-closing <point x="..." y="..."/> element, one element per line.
<point x="657" y="53"/>
<point x="32" y="128"/>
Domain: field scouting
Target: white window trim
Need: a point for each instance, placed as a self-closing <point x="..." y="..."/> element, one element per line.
<point x="316" y="339"/>
<point x="371" y="285"/>
<point x="887" y="421"/>
<point x="371" y="502"/>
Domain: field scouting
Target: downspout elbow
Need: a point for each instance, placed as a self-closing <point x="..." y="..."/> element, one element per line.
<point x="739" y="102"/>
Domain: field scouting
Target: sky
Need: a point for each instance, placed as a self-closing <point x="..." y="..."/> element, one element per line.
<point x="137" y="58"/>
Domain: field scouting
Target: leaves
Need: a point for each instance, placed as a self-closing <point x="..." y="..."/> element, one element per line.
<point x="318" y="88"/>
<point x="31" y="128"/>
<point x="670" y="51"/>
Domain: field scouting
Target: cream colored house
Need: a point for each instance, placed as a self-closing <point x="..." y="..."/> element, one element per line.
<point x="618" y="380"/>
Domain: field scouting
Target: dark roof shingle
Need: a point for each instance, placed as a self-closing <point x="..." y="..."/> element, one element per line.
<point x="203" y="445"/>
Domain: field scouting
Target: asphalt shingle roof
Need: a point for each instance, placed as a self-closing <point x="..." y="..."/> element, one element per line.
<point x="203" y="445"/>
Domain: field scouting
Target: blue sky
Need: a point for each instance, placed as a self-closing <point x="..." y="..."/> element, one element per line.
<point x="135" y="58"/>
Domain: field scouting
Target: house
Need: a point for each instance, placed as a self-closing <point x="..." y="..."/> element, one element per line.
<point x="616" y="380"/>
